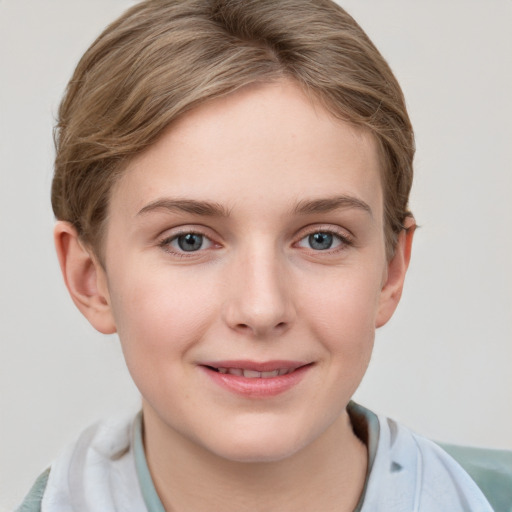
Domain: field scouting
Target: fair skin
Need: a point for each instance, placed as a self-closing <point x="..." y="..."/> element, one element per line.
<point x="249" y="238"/>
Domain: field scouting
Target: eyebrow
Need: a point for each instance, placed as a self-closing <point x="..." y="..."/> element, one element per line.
<point x="330" y="204"/>
<point x="205" y="208"/>
<point x="210" y="209"/>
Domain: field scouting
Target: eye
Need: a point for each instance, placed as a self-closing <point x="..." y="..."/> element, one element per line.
<point x="190" y="242"/>
<point x="323" y="241"/>
<point x="186" y="242"/>
<point x="320" y="241"/>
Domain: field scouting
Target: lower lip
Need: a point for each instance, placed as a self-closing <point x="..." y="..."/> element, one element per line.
<point x="258" y="387"/>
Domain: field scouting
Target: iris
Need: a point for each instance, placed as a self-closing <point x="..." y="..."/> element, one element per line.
<point x="190" y="242"/>
<point x="320" y="241"/>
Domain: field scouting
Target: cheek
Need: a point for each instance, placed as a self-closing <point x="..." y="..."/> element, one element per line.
<point x="343" y="317"/>
<point x="159" y="316"/>
<point x="346" y="299"/>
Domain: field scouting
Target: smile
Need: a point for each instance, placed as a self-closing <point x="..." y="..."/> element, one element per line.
<point x="253" y="374"/>
<point x="257" y="380"/>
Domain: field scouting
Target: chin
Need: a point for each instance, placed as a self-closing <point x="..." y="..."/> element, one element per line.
<point x="259" y="443"/>
<point x="258" y="451"/>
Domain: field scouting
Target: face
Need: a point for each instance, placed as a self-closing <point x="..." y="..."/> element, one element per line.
<point x="245" y="271"/>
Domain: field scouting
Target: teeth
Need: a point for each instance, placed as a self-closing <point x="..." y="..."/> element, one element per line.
<point x="253" y="374"/>
<point x="274" y="373"/>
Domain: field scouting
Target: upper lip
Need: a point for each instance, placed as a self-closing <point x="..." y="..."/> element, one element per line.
<point x="263" y="366"/>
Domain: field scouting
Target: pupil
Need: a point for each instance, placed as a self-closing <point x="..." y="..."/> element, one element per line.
<point x="190" y="242"/>
<point x="320" y="241"/>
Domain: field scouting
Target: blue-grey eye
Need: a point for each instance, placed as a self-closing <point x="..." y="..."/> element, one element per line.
<point x="323" y="241"/>
<point x="190" y="242"/>
<point x="320" y="241"/>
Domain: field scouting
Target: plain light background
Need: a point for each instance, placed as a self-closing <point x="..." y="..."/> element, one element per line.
<point x="443" y="364"/>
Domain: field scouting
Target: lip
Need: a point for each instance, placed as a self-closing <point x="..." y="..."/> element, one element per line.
<point x="257" y="387"/>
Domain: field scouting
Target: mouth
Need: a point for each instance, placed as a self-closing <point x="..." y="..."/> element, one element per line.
<point x="257" y="380"/>
<point x="252" y="374"/>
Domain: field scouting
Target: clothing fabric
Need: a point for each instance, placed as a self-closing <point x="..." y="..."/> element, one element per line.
<point x="106" y="470"/>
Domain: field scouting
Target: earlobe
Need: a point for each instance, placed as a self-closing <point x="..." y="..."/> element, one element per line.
<point x="396" y="270"/>
<point x="84" y="277"/>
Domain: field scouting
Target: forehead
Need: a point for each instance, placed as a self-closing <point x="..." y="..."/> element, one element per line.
<point x="266" y="145"/>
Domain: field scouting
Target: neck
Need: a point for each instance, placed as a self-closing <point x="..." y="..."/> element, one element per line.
<point x="328" y="474"/>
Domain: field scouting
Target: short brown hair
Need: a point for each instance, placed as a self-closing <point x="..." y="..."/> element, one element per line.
<point x="164" y="57"/>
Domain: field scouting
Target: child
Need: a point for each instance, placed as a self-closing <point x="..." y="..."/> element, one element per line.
<point x="231" y="188"/>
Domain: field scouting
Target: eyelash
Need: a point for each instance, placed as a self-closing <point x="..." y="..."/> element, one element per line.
<point x="166" y="242"/>
<point x="344" y="241"/>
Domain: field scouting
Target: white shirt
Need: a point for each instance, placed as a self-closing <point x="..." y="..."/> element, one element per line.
<point x="106" y="470"/>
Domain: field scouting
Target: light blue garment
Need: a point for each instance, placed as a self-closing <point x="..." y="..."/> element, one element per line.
<point x="412" y="474"/>
<point x="106" y="470"/>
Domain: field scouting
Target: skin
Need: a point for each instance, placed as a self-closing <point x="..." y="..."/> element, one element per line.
<point x="274" y="168"/>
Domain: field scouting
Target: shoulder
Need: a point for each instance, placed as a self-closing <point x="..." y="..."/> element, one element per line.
<point x="32" y="502"/>
<point x="411" y="472"/>
<point x="96" y="472"/>
<point x="490" y="469"/>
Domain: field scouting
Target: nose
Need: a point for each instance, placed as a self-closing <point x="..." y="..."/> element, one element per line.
<point x="260" y="295"/>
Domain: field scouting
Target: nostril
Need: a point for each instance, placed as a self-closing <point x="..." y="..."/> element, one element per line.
<point x="281" y="327"/>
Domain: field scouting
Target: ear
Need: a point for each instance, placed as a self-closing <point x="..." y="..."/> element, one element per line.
<point x="396" y="270"/>
<point x="85" y="278"/>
